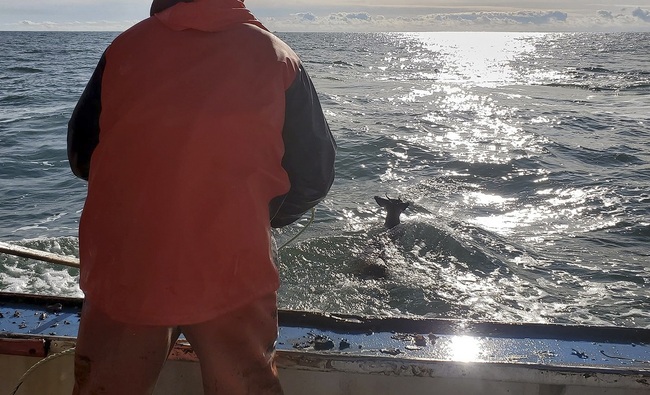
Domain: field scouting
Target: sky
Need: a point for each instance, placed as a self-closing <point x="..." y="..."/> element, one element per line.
<point x="353" y="15"/>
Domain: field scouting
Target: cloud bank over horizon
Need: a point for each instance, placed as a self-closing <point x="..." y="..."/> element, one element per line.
<point x="625" y="19"/>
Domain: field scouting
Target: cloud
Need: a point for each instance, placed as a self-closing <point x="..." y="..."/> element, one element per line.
<point x="333" y="19"/>
<point x="72" y="26"/>
<point x="523" y="20"/>
<point x="644" y="15"/>
<point x="624" y="20"/>
<point x="605" y="14"/>
<point x="348" y="18"/>
<point x="363" y="21"/>
<point x="305" y="16"/>
<point x="500" y="18"/>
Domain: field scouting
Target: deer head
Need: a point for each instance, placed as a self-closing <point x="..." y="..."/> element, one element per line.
<point x="394" y="208"/>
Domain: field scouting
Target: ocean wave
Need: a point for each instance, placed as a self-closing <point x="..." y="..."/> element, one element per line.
<point x="333" y="62"/>
<point x="611" y="157"/>
<point x="639" y="231"/>
<point x="425" y="264"/>
<point x="582" y="86"/>
<point x="636" y="86"/>
<point x="16" y="99"/>
<point x="595" y="69"/>
<point x="25" y="70"/>
<point x="344" y="63"/>
<point x="333" y="78"/>
<point x="600" y="79"/>
<point x="482" y="170"/>
<point x="33" y="276"/>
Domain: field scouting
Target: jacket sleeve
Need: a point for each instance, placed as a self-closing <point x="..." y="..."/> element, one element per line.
<point x="309" y="154"/>
<point x="83" y="127"/>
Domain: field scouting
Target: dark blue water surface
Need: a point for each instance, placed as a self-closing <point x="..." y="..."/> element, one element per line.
<point x="525" y="158"/>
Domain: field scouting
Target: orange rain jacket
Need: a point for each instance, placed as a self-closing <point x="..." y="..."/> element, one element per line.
<point x="198" y="131"/>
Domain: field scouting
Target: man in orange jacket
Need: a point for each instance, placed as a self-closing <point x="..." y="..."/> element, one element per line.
<point x="198" y="131"/>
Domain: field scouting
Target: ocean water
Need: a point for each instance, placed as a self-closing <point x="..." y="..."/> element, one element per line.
<point x="525" y="156"/>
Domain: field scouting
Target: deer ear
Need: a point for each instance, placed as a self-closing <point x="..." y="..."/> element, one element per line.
<point x="381" y="201"/>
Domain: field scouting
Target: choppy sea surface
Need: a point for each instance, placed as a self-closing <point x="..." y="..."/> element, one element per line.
<point x="526" y="159"/>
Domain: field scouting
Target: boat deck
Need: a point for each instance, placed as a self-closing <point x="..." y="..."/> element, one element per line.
<point x="444" y="340"/>
<point x="535" y="353"/>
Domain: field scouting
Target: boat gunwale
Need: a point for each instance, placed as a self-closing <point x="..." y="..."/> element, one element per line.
<point x="375" y="361"/>
<point x="351" y="323"/>
<point x="385" y="365"/>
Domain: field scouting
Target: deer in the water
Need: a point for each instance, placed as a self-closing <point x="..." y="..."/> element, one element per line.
<point x="375" y="258"/>
<point x="394" y="208"/>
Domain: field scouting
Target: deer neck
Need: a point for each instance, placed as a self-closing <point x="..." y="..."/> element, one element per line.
<point x="392" y="220"/>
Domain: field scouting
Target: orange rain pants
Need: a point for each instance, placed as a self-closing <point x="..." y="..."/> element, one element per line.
<point x="235" y="350"/>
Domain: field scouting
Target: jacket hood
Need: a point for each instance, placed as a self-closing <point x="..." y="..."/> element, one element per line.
<point x="207" y="15"/>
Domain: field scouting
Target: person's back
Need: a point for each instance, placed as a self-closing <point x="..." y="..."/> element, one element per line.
<point x="196" y="131"/>
<point x="189" y="157"/>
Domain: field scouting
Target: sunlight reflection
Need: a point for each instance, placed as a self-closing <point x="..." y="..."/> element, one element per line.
<point x="471" y="124"/>
<point x="465" y="348"/>
<point x="506" y="223"/>
<point x="484" y="199"/>
<point x="485" y="62"/>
